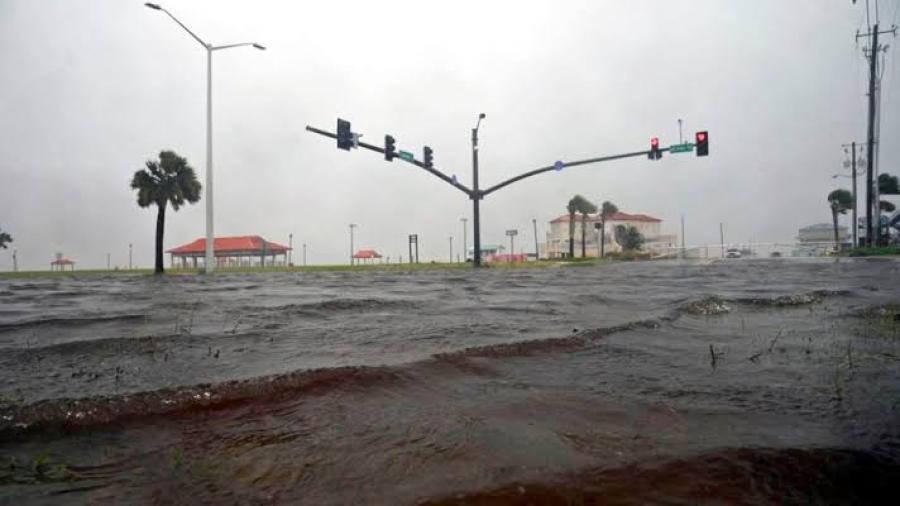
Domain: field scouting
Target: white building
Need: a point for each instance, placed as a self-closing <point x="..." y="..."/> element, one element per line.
<point x="557" y="244"/>
<point x="818" y="239"/>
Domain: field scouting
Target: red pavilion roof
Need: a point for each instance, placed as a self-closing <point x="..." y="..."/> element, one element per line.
<point x="238" y="244"/>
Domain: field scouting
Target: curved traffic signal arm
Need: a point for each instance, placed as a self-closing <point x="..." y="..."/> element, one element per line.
<point x="450" y="180"/>
<point x="562" y="165"/>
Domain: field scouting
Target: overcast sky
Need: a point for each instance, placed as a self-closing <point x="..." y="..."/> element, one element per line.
<point x="91" y="89"/>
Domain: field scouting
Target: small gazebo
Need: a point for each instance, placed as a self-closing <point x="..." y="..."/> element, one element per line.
<point x="61" y="263"/>
<point x="369" y="255"/>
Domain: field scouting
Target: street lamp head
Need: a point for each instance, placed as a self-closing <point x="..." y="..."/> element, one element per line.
<point x="155" y="7"/>
<point x="482" y="116"/>
<point x="259" y="46"/>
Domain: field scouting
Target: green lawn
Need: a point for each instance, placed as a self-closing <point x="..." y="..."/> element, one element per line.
<point x="84" y="273"/>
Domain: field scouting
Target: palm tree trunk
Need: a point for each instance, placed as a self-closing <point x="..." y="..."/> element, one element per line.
<point x="834" y="214"/>
<point x="602" y="237"/>
<point x="583" y="235"/>
<point x="160" y="228"/>
<point x="571" y="235"/>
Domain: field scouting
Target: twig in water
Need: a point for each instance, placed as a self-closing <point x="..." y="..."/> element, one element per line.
<point x="775" y="340"/>
<point x="849" y="354"/>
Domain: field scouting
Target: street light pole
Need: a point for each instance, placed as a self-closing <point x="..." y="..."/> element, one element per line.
<point x="352" y="226"/>
<point x="465" y="249"/>
<point x="451" y="249"/>
<point x="304" y="254"/>
<point x="210" y="253"/>
<point x="290" y="249"/>
<point x="537" y="253"/>
<point x="476" y="193"/>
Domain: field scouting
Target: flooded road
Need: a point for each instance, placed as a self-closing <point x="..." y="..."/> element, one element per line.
<point x="751" y="381"/>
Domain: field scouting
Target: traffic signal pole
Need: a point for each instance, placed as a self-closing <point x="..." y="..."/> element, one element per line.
<point x="476" y="194"/>
<point x="476" y="197"/>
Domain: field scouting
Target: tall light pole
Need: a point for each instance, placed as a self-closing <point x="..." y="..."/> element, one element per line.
<point x="451" y="249"/>
<point x="465" y="249"/>
<point x="129" y="256"/>
<point x="210" y="261"/>
<point x="537" y="253"/>
<point x="476" y="193"/>
<point x="352" y="226"/>
<point x="290" y="249"/>
<point x="304" y="254"/>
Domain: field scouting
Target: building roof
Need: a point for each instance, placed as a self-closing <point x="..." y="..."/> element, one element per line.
<point x="62" y="261"/>
<point x="613" y="217"/>
<point x="366" y="253"/>
<point x="237" y="244"/>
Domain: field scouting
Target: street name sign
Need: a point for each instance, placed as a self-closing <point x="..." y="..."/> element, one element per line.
<point x="681" y="148"/>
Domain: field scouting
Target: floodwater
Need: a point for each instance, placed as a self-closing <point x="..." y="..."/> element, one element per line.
<point x="746" y="381"/>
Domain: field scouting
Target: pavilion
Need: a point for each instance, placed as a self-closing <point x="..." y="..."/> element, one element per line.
<point x="239" y="251"/>
<point x="366" y="254"/>
<point x="61" y="263"/>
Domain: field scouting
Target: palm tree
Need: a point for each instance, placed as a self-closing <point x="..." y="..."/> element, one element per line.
<point x="606" y="210"/>
<point x="587" y="207"/>
<point x="4" y="239"/>
<point x="171" y="180"/>
<point x="840" y="201"/>
<point x="572" y="207"/>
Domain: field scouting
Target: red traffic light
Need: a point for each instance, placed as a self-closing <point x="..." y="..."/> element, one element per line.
<point x="654" y="142"/>
<point x="702" y="143"/>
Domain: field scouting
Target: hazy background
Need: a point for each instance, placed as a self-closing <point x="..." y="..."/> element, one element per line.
<point x="90" y="90"/>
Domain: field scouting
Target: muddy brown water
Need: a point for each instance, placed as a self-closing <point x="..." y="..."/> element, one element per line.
<point x="748" y="381"/>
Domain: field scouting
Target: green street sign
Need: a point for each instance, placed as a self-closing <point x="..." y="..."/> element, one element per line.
<point x="406" y="155"/>
<point x="681" y="148"/>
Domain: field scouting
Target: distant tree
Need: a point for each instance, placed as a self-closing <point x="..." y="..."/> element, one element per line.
<point x="840" y="202"/>
<point x="170" y="180"/>
<point x="4" y="239"/>
<point x="606" y="210"/>
<point x="572" y="208"/>
<point x="888" y="184"/>
<point x="629" y="237"/>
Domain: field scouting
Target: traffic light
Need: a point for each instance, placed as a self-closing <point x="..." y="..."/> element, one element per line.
<point x="390" y="148"/>
<point x="655" y="153"/>
<point x="344" y="135"/>
<point x="702" y="143"/>
<point x="428" y="157"/>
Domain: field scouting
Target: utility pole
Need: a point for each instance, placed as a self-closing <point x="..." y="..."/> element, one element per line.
<point x="465" y="248"/>
<point x="129" y="256"/>
<point x="451" y="249"/>
<point x="683" y="251"/>
<point x="871" y="203"/>
<point x="476" y="193"/>
<point x="854" y="162"/>
<point x="304" y="254"/>
<point x="537" y="253"/>
<point x="352" y="226"/>
<point x="290" y="249"/>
